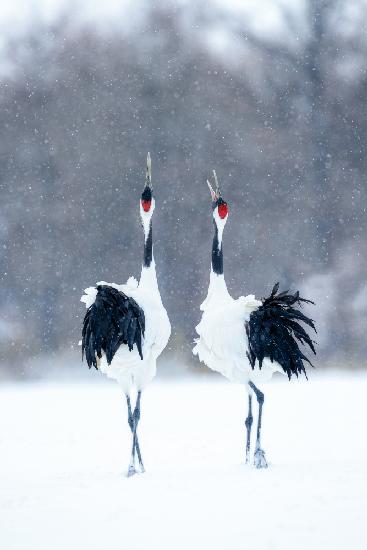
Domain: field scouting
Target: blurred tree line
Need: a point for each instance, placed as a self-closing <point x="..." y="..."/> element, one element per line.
<point x="282" y="119"/>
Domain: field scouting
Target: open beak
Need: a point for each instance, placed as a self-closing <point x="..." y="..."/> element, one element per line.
<point x="212" y="192"/>
<point x="148" y="176"/>
<point x="215" y="194"/>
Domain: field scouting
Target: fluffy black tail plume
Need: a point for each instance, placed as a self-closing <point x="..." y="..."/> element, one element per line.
<point x="274" y="332"/>
<point x="114" y="319"/>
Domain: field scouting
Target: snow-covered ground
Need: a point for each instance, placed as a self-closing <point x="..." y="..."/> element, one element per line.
<point x="64" y="450"/>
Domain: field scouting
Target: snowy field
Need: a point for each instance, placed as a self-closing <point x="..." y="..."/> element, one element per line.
<point x="64" y="450"/>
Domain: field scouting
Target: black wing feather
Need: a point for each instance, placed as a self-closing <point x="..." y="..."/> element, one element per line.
<point x="274" y="331"/>
<point x="114" y="319"/>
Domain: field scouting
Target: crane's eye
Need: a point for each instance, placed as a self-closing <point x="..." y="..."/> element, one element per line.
<point x="223" y="210"/>
<point x="146" y="205"/>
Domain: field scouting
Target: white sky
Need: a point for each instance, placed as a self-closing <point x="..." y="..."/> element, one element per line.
<point x="263" y="16"/>
<point x="15" y="15"/>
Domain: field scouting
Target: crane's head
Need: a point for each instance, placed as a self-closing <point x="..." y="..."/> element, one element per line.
<point x="219" y="205"/>
<point x="147" y="202"/>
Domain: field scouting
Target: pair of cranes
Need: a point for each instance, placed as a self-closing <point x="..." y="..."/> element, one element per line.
<point x="126" y="328"/>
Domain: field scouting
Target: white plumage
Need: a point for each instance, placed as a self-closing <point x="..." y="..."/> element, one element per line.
<point x="222" y="342"/>
<point x="244" y="339"/>
<point x="127" y="368"/>
<point x="125" y="332"/>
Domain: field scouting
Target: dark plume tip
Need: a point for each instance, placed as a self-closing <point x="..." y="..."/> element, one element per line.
<point x="275" y="289"/>
<point x="276" y="331"/>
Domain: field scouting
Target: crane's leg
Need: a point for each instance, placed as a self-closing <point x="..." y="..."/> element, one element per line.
<point x="136" y="417"/>
<point x="259" y="456"/>
<point x="248" y="424"/>
<point x="133" y="420"/>
<point x="131" y="470"/>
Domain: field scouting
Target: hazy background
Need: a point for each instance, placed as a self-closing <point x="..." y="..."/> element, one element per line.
<point x="271" y="94"/>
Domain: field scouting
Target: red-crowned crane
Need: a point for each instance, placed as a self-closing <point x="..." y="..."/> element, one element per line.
<point x="247" y="340"/>
<point x="126" y="327"/>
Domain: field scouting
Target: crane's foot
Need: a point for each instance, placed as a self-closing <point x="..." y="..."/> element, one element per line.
<point x="259" y="459"/>
<point x="131" y="471"/>
<point x="141" y="469"/>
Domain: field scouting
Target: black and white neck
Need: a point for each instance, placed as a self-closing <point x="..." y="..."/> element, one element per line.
<point x="148" y="276"/>
<point x="217" y="285"/>
<point x="217" y="247"/>
<point x="147" y="205"/>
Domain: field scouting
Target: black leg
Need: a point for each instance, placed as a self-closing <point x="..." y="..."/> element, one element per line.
<point x="136" y="422"/>
<point x="133" y="420"/>
<point x="130" y="414"/>
<point x="259" y="456"/>
<point x="131" y="470"/>
<point x="248" y="424"/>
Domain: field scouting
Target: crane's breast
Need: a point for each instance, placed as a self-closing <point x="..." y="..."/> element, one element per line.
<point x="221" y="330"/>
<point x="157" y="325"/>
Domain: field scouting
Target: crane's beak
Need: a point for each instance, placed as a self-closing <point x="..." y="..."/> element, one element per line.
<point x="148" y="176"/>
<point x="212" y="192"/>
<point x="215" y="194"/>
